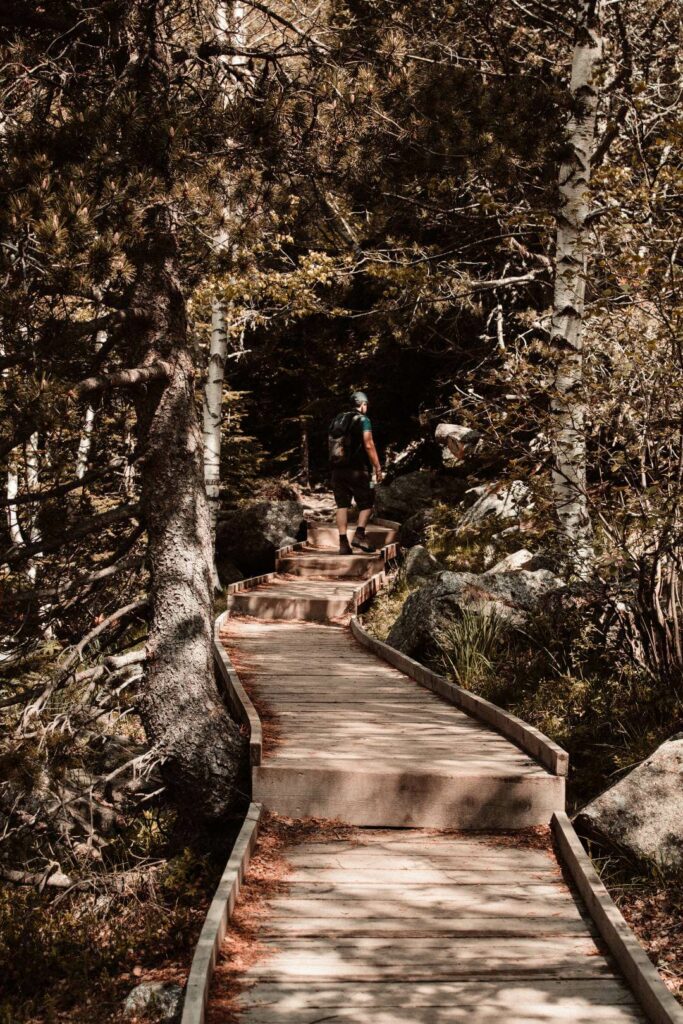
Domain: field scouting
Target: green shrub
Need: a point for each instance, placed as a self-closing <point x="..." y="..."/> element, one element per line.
<point x="470" y="647"/>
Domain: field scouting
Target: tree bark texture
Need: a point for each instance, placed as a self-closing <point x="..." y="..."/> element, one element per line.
<point x="568" y="403"/>
<point x="181" y="710"/>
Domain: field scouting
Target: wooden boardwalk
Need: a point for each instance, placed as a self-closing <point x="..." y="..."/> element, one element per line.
<point x="360" y="741"/>
<point x="401" y="922"/>
<point x="412" y="927"/>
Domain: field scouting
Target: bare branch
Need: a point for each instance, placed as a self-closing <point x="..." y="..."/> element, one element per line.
<point x="133" y="377"/>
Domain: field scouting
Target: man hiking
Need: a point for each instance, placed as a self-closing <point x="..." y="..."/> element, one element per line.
<point x="352" y="456"/>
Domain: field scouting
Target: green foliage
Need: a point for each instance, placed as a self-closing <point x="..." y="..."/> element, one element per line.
<point x="569" y="676"/>
<point x="387" y="605"/>
<point x="472" y="646"/>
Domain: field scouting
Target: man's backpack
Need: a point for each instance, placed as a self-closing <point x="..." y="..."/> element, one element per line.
<point x="340" y="440"/>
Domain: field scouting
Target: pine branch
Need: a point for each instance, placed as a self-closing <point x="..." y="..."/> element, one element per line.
<point x="129" y="378"/>
<point x="15" y="555"/>
<point x="61" y="489"/>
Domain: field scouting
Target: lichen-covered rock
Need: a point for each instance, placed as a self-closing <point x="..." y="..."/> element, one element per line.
<point x="513" y="596"/>
<point x="419" y="565"/>
<point x="248" y="537"/>
<point x="413" y="492"/>
<point x="454" y="440"/>
<point x="502" y="502"/>
<point x="512" y="563"/>
<point x="162" y="998"/>
<point x="643" y="812"/>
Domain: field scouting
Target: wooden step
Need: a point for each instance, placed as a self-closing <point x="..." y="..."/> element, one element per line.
<point x="312" y="564"/>
<point x="476" y="797"/>
<point x="282" y="599"/>
<point x="284" y="605"/>
<point x="326" y="535"/>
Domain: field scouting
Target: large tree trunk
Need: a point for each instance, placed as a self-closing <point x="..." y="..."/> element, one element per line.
<point x="568" y="404"/>
<point x="182" y="711"/>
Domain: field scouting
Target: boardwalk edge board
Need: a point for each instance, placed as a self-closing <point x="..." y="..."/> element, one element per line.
<point x="217" y="918"/>
<point x="289" y="549"/>
<point x="252" y="581"/>
<point x="238" y="700"/>
<point x="532" y="740"/>
<point x="640" y="973"/>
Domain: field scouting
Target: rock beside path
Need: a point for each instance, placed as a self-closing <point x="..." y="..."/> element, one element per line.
<point x="506" y="501"/>
<point x="405" y="495"/>
<point x="164" y="999"/>
<point x="454" y="440"/>
<point x="512" y="596"/>
<point x="512" y="563"/>
<point x="419" y="565"/>
<point x="413" y="530"/>
<point x="248" y="537"/>
<point x="642" y="814"/>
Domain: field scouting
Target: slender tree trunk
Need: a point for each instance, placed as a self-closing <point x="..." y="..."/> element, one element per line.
<point x="218" y="351"/>
<point x="212" y="420"/>
<point x="568" y="404"/>
<point x="85" y="443"/>
<point x="32" y="484"/>
<point x="182" y="711"/>
<point x="12" y="491"/>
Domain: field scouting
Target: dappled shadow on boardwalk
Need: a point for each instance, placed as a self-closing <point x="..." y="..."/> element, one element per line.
<point x="401" y="927"/>
<point x="359" y="740"/>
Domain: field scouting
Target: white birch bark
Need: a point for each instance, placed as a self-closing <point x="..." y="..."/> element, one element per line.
<point x="568" y="403"/>
<point x="32" y="483"/>
<point x="218" y="350"/>
<point x="85" y="442"/>
<point x="12" y="491"/>
<point x="211" y="426"/>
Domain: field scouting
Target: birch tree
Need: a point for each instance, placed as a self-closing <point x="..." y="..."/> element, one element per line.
<point x="85" y="442"/>
<point x="218" y="348"/>
<point x="568" y="405"/>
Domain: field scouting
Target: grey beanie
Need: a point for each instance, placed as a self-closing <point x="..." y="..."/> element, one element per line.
<point x="358" y="398"/>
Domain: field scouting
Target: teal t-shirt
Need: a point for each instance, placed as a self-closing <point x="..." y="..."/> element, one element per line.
<point x="359" y="458"/>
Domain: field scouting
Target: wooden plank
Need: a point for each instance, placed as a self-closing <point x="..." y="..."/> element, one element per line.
<point x="405" y="859"/>
<point x="400" y="926"/>
<point x="377" y="905"/>
<point x="416" y="876"/>
<point x="541" y="995"/>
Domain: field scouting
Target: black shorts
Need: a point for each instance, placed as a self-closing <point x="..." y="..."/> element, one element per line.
<point x="352" y="484"/>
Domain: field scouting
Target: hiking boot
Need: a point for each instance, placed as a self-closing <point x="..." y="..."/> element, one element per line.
<point x="344" y="546"/>
<point x="363" y="544"/>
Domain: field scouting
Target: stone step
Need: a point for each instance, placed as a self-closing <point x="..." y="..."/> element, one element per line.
<point x="309" y="565"/>
<point x="326" y="535"/>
